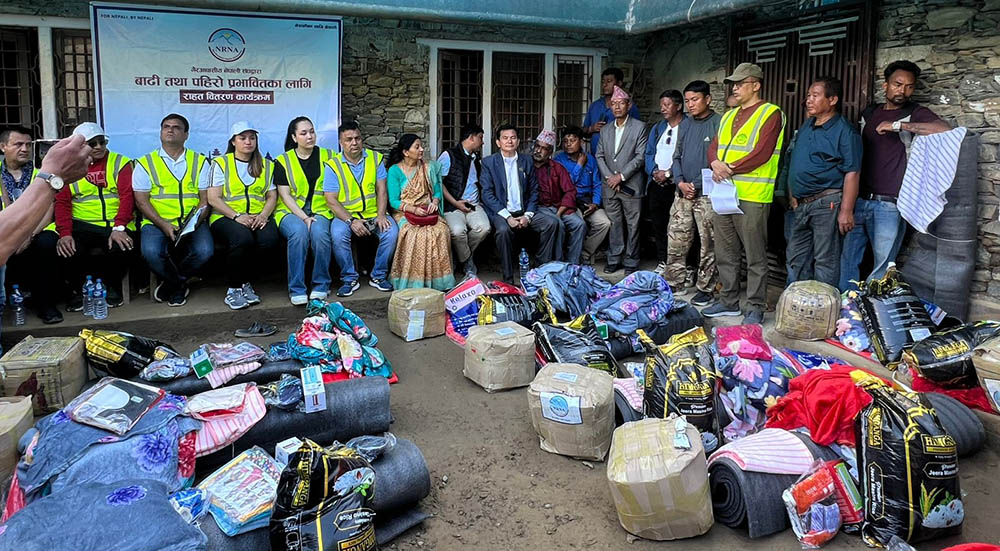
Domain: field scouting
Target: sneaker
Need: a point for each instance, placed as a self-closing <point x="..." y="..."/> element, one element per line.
<point x="470" y="268"/>
<point x="115" y="298"/>
<point x="299" y="300"/>
<point x="160" y="291"/>
<point x="381" y="284"/>
<point x="318" y="295"/>
<point x="661" y="268"/>
<point x="75" y="303"/>
<point x="702" y="299"/>
<point x="348" y="288"/>
<point x="250" y="294"/>
<point x="753" y="317"/>
<point x="718" y="310"/>
<point x="612" y="268"/>
<point x="235" y="299"/>
<point x="178" y="297"/>
<point x="50" y="315"/>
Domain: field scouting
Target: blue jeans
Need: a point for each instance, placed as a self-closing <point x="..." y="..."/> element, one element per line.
<point x="175" y="264"/>
<point x="300" y="240"/>
<point x="342" y="235"/>
<point x="880" y="223"/>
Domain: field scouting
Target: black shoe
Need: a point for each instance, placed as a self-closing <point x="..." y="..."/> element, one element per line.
<point x="161" y="292"/>
<point x="50" y="315"/>
<point x="178" y="297"/>
<point x="75" y="303"/>
<point x="702" y="299"/>
<point x="115" y="298"/>
<point x="612" y="268"/>
<point x="630" y="271"/>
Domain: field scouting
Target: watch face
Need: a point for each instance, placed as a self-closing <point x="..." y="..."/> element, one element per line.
<point x="56" y="183"/>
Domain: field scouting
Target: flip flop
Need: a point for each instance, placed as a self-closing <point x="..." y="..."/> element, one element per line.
<point x="258" y="329"/>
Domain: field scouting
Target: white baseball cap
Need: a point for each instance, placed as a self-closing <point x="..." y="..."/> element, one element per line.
<point x="241" y="127"/>
<point x="89" y="130"/>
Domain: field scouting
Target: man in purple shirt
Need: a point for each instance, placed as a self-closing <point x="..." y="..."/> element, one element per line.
<point x="884" y="127"/>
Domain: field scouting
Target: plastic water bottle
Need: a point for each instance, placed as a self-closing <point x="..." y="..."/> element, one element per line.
<point x="17" y="299"/>
<point x="525" y="264"/>
<point x="101" y="303"/>
<point x="88" y="297"/>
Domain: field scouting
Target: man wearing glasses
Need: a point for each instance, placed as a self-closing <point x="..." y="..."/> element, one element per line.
<point x="746" y="152"/>
<point x="94" y="219"/>
<point x="659" y="160"/>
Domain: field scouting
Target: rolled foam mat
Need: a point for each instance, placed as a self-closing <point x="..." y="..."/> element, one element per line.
<point x="960" y="422"/>
<point x="624" y="413"/>
<point x="751" y="499"/>
<point x="401" y="480"/>
<point x="677" y="321"/>
<point x="190" y="385"/>
<point x="353" y="407"/>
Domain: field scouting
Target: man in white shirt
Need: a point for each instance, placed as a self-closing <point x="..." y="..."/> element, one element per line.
<point x="510" y="196"/>
<point x="659" y="160"/>
<point x="170" y="185"/>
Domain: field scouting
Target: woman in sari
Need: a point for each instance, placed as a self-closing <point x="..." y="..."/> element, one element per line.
<point x="423" y="250"/>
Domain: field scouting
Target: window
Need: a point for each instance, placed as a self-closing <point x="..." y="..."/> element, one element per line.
<point x="74" y="79"/>
<point x="460" y="96"/>
<point x="518" y="91"/>
<point x="574" y="77"/>
<point x="20" y="91"/>
<point x="530" y="86"/>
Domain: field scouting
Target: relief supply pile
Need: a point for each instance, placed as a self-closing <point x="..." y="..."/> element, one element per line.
<point x="573" y="410"/>
<point x="500" y="356"/>
<point x="416" y="314"/>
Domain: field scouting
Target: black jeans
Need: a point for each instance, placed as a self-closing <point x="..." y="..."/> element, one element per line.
<point x="242" y="248"/>
<point x="36" y="269"/>
<point x="660" y="200"/>
<point x="94" y="258"/>
<point x="814" y="248"/>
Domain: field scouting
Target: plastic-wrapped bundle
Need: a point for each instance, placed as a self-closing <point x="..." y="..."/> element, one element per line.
<point x="516" y="308"/>
<point x="680" y="379"/>
<point x="575" y="343"/>
<point x="894" y="316"/>
<point x="121" y="354"/>
<point x="946" y="356"/>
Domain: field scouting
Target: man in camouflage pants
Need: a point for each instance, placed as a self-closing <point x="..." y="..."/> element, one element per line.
<point x="691" y="209"/>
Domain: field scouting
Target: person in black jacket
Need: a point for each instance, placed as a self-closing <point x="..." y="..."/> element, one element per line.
<point x="467" y="220"/>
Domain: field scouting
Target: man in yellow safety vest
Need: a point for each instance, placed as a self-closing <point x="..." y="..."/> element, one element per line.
<point x="745" y="154"/>
<point x="355" y="187"/>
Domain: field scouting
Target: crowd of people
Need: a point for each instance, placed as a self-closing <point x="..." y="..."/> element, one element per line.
<point x="427" y="217"/>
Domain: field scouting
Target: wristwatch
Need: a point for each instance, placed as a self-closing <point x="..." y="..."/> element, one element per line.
<point x="237" y="215"/>
<point x="118" y="228"/>
<point x="55" y="182"/>
<point x="897" y="126"/>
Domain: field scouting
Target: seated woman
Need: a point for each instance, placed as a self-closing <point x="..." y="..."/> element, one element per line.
<point x="243" y="197"/>
<point x="423" y="250"/>
<point x="303" y="216"/>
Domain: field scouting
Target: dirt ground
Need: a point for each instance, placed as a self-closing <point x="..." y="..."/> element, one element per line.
<point x="493" y="488"/>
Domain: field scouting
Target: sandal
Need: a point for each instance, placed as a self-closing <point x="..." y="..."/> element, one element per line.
<point x="257" y="330"/>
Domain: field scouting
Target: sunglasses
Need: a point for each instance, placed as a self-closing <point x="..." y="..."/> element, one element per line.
<point x="670" y="135"/>
<point x="98" y="141"/>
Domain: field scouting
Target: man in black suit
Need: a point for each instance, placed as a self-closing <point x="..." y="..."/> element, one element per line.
<point x="510" y="195"/>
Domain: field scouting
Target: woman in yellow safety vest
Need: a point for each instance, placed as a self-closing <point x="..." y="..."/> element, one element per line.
<point x="243" y="197"/>
<point x="303" y="216"/>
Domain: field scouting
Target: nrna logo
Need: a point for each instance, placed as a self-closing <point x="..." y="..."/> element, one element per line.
<point x="226" y="45"/>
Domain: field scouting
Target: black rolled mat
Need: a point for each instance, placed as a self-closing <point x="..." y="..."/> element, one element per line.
<point x="353" y="407"/>
<point x="401" y="480"/>
<point x="960" y="422"/>
<point x="190" y="385"/>
<point x="677" y="321"/>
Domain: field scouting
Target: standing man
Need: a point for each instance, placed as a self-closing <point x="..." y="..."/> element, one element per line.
<point x="510" y="195"/>
<point x="34" y="265"/>
<point x="171" y="183"/>
<point x="659" y="164"/>
<point x="460" y="168"/>
<point x="823" y="185"/>
<point x="621" y="158"/>
<point x="691" y="208"/>
<point x="883" y="127"/>
<point x="582" y="168"/>
<point x="355" y="189"/>
<point x="92" y="216"/>
<point x="557" y="196"/>
<point x="599" y="113"/>
<point x="746" y="152"/>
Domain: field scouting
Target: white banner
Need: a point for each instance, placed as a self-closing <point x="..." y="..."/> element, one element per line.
<point x="214" y="68"/>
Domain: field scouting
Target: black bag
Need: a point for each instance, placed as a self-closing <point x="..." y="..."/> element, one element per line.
<point x="519" y="309"/>
<point x="122" y="355"/>
<point x="893" y="316"/>
<point x="908" y="467"/>
<point x="681" y="379"/>
<point x="946" y="356"/>
<point x="324" y="502"/>
<point x="583" y="346"/>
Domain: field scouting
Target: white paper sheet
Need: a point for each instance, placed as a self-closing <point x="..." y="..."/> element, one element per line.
<point x="722" y="194"/>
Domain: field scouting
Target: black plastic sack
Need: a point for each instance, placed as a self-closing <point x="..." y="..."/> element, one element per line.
<point x="324" y="501"/>
<point x="519" y="309"/>
<point x="908" y="465"/>
<point x="894" y="317"/>
<point x="122" y="355"/>
<point x="681" y="379"/>
<point x="946" y="356"/>
<point x="583" y="346"/>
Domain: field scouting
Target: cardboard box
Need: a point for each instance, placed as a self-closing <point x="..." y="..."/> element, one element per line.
<point x="573" y="410"/>
<point x="313" y="390"/>
<point x="285" y="449"/>
<point x="986" y="358"/>
<point x="660" y="492"/>
<point x="15" y="420"/>
<point x="416" y="313"/>
<point x="52" y="370"/>
<point x="500" y="356"/>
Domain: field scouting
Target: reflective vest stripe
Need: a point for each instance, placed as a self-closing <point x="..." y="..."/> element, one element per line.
<point x="358" y="197"/>
<point x="173" y="206"/>
<point x="298" y="186"/>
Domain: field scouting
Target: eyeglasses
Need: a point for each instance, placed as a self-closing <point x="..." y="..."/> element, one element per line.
<point x="98" y="141"/>
<point x="740" y="84"/>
